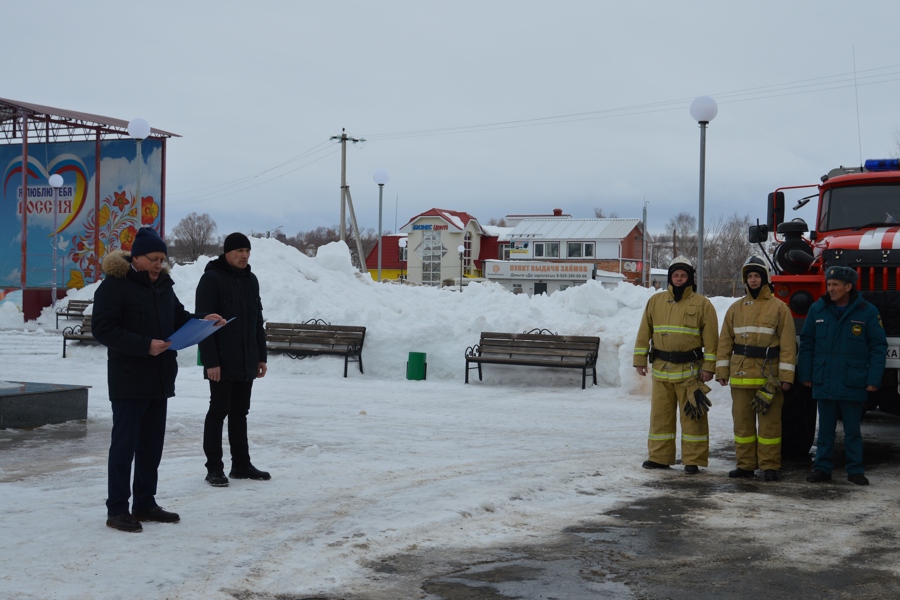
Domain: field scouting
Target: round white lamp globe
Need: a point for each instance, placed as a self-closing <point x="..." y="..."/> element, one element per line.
<point x="704" y="109"/>
<point x="139" y="129"/>
<point x="381" y="177"/>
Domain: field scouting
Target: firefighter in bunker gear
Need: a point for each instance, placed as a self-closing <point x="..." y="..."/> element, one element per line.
<point x="681" y="328"/>
<point x="757" y="353"/>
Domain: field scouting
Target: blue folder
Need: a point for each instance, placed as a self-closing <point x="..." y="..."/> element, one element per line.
<point x="193" y="332"/>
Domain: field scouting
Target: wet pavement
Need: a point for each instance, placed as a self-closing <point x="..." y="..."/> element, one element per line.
<point x="695" y="538"/>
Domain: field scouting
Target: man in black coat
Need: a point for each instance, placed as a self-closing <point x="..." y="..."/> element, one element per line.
<point x="232" y="358"/>
<point x="135" y="311"/>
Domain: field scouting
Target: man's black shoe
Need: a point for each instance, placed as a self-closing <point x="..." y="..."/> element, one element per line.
<point x="818" y="476"/>
<point x="124" y="522"/>
<point x="250" y="472"/>
<point x="741" y="473"/>
<point x="858" y="479"/>
<point x="217" y="479"/>
<point x="771" y="475"/>
<point x="691" y="469"/>
<point x="156" y="513"/>
<point x="649" y="464"/>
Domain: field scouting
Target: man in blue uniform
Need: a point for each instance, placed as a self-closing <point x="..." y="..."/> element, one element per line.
<point x="842" y="357"/>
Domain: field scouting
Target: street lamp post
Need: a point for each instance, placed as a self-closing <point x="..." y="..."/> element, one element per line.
<point x="402" y="245"/>
<point x="462" y="253"/>
<point x="380" y="177"/>
<point x="703" y="109"/>
<point x="55" y="181"/>
<point x="139" y="129"/>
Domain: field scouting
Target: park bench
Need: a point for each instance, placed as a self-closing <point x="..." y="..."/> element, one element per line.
<point x="535" y="348"/>
<point x="79" y="333"/>
<point x="316" y="337"/>
<point x="74" y="308"/>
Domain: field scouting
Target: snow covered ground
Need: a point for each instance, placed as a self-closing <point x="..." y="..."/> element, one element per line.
<point x="363" y="467"/>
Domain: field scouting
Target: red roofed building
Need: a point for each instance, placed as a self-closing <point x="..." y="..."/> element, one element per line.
<point x="540" y="254"/>
<point x="432" y="254"/>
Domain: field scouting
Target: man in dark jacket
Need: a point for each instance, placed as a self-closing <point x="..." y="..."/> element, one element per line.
<point x="842" y="357"/>
<point x="232" y="358"/>
<point x="135" y="310"/>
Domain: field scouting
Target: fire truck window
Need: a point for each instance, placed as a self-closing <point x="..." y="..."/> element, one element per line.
<point x="856" y="206"/>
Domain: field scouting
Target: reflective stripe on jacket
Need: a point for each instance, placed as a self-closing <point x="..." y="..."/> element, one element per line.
<point x="765" y="322"/>
<point x="677" y="327"/>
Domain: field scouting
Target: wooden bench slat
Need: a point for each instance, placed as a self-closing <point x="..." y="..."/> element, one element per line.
<point x="79" y="333"/>
<point x="299" y="340"/>
<point x="585" y="348"/>
<point x="73" y="308"/>
<point x="537" y="350"/>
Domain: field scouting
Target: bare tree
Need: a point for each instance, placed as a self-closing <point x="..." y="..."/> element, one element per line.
<point x="193" y="236"/>
<point x="725" y="248"/>
<point x="598" y="214"/>
<point x="501" y="222"/>
<point x="309" y="242"/>
<point x="895" y="151"/>
<point x="678" y="239"/>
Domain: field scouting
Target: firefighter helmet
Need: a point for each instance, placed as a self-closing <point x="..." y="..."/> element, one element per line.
<point x="756" y="264"/>
<point x="683" y="263"/>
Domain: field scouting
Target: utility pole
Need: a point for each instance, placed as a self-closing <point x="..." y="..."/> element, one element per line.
<point x="346" y="200"/>
<point x="646" y="275"/>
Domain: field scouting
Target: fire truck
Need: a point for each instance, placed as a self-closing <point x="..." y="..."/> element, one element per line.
<point x="858" y="226"/>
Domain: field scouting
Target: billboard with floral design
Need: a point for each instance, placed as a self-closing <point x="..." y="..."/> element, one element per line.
<point x="94" y="211"/>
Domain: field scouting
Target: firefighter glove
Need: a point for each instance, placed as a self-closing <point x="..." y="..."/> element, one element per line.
<point x="762" y="400"/>
<point x="697" y="404"/>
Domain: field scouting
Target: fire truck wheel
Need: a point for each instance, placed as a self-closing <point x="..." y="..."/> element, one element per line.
<point x="798" y="423"/>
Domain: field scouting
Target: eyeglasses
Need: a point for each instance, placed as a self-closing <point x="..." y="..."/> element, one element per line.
<point x="158" y="261"/>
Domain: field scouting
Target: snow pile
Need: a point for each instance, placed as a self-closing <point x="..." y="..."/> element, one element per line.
<point x="440" y="322"/>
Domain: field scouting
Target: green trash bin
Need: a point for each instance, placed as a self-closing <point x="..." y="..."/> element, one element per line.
<point x="416" y="366"/>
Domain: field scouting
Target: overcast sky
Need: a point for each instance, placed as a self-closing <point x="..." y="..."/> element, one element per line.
<point x="488" y="107"/>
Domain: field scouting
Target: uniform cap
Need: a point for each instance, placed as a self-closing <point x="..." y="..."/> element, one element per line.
<point x="845" y="274"/>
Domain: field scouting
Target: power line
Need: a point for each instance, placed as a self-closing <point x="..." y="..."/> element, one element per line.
<point x="217" y="193"/>
<point x="805" y="86"/>
<point x="873" y="76"/>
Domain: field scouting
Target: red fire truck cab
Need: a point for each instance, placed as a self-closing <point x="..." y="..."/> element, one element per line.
<point x="857" y="225"/>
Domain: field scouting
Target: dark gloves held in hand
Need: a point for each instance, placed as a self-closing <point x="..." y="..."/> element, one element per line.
<point x="698" y="404"/>
<point x="762" y="401"/>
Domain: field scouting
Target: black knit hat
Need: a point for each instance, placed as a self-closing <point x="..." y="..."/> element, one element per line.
<point x="147" y="241"/>
<point x="236" y="241"/>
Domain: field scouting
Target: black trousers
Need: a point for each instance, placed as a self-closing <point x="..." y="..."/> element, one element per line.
<point x="229" y="399"/>
<point x="138" y="434"/>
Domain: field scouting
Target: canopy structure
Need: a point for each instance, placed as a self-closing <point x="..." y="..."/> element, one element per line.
<point x="23" y="122"/>
<point x="100" y="206"/>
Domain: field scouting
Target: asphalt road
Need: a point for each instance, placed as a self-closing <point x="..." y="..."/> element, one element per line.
<point x="697" y="538"/>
